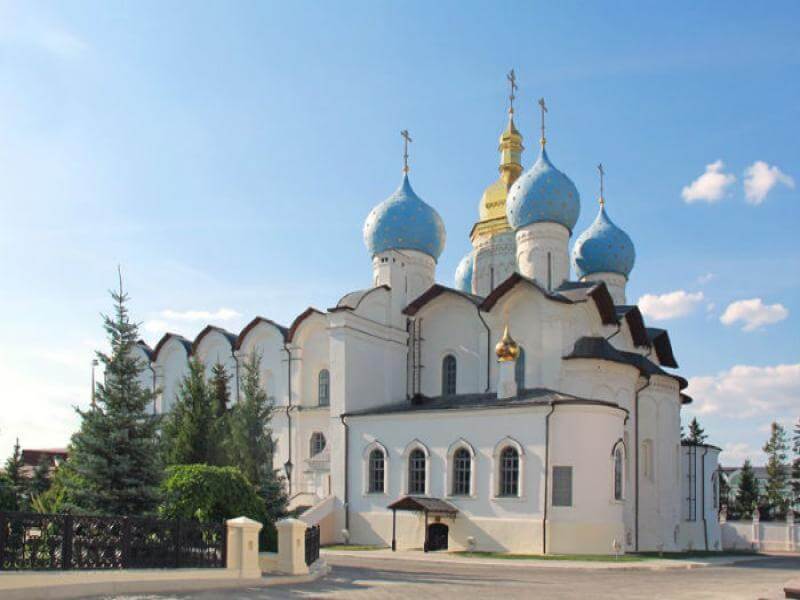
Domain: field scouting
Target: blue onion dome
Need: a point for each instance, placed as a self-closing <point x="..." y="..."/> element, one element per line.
<point x="603" y="248"/>
<point x="404" y="222"/>
<point x="464" y="273"/>
<point x="543" y="194"/>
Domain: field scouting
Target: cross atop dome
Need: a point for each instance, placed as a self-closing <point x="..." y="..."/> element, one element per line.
<point x="406" y="140"/>
<point x="543" y="108"/>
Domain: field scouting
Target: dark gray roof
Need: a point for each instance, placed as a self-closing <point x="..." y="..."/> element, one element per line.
<point x="480" y="401"/>
<point x="600" y="348"/>
<point x="659" y="339"/>
<point x="423" y="504"/>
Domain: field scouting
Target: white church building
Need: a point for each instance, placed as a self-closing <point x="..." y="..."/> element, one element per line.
<point x="527" y="409"/>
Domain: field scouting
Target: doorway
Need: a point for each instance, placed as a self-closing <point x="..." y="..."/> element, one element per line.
<point x="437" y="536"/>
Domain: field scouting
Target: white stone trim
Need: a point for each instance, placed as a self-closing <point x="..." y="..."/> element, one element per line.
<point x="495" y="476"/>
<point x="374" y="445"/>
<point x="413" y="445"/>
<point x="450" y="465"/>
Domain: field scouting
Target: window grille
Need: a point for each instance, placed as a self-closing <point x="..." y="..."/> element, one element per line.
<point x="416" y="472"/>
<point x="519" y="370"/>
<point x="317" y="443"/>
<point x="449" y="375"/>
<point x="462" y="472"/>
<point x="509" y="472"/>
<point x="619" y="468"/>
<point x="377" y="472"/>
<point x="324" y="391"/>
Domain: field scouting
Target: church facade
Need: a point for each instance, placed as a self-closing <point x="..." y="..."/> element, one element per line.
<point x="527" y="409"/>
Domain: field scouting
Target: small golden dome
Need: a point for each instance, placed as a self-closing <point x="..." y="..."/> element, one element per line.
<point x="506" y="349"/>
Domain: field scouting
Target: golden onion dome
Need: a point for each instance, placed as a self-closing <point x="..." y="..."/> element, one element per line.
<point x="492" y="207"/>
<point x="506" y="349"/>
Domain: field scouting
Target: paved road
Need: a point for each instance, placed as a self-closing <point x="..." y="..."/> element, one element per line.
<point x="356" y="578"/>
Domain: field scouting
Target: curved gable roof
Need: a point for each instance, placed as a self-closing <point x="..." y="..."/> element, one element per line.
<point x="299" y="321"/>
<point x="352" y="300"/>
<point x="146" y="349"/>
<point x="659" y="338"/>
<point x="567" y="293"/>
<point x="187" y="345"/>
<point x="253" y="324"/>
<point x="231" y="337"/>
<point x="434" y="292"/>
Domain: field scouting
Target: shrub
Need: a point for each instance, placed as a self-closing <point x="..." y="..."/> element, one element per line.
<point x="209" y="494"/>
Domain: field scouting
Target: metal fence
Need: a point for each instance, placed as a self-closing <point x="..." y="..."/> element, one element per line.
<point x="312" y="544"/>
<point x="60" y="541"/>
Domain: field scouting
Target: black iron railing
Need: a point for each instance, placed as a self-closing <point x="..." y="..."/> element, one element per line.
<point x="312" y="544"/>
<point x="59" y="541"/>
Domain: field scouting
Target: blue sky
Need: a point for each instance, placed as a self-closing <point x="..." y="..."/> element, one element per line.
<point x="226" y="155"/>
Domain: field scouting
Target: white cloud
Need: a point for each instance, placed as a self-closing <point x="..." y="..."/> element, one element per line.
<point x="223" y="314"/>
<point x="753" y="313"/>
<point x="61" y="43"/>
<point x="710" y="186"/>
<point x="704" y="279"/>
<point x="186" y="322"/>
<point x="760" y="178"/>
<point x="746" y="391"/>
<point x="735" y="453"/>
<point x="669" y="306"/>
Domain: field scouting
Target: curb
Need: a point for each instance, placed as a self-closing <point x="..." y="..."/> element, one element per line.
<point x="665" y="565"/>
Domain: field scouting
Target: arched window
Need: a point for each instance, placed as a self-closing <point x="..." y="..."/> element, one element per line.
<point x="376" y="471"/>
<point x="324" y="389"/>
<point x="519" y="369"/>
<point x="509" y="472"/>
<point x="619" y="472"/>
<point x="448" y="375"/>
<point x="317" y="443"/>
<point x="462" y="472"/>
<point x="416" y="472"/>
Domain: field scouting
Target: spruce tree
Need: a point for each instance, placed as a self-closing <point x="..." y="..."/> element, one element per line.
<point x="13" y="473"/>
<point x="777" y="471"/>
<point x="190" y="428"/>
<point x="114" y="455"/>
<point x="747" y="492"/>
<point x="251" y="439"/>
<point x="697" y="434"/>
<point x="40" y="481"/>
<point x="219" y="385"/>
<point x="219" y="388"/>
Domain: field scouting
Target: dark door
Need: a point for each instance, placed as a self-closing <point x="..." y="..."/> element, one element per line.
<point x="437" y="536"/>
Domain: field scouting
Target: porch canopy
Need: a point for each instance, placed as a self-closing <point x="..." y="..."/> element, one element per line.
<point x="423" y="504"/>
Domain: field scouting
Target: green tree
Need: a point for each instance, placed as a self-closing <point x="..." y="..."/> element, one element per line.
<point x="697" y="434"/>
<point x="14" y="476"/>
<point x="209" y="494"/>
<point x="219" y="384"/>
<point x="40" y="481"/>
<point x="114" y="455"/>
<point x="775" y="492"/>
<point x="190" y="430"/>
<point x="251" y="440"/>
<point x="8" y="496"/>
<point x="747" y="492"/>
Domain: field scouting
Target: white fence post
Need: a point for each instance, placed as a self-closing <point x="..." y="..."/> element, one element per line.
<point x="242" y="550"/>
<point x="756" y="529"/>
<point x="292" y="546"/>
<point x="790" y="545"/>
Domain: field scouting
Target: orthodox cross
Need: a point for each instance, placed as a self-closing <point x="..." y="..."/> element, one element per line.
<point x="544" y="110"/>
<point x="406" y="139"/>
<point x="602" y="174"/>
<point x="512" y="80"/>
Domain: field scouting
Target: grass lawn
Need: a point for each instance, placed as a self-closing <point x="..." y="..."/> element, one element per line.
<point x="583" y="557"/>
<point x="690" y="554"/>
<point x="353" y="547"/>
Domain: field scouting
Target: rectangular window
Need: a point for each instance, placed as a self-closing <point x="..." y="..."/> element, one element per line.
<point x="562" y="486"/>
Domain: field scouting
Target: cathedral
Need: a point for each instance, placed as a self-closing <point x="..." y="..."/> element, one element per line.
<point x="527" y="409"/>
